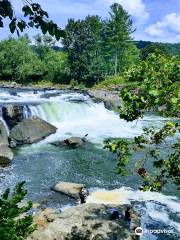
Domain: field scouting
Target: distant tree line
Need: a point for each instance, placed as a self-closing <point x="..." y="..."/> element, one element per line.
<point x="91" y="50"/>
<point x="168" y="48"/>
<point x="25" y="63"/>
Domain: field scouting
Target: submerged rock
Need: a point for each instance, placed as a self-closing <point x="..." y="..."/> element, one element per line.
<point x="71" y="142"/>
<point x="6" y="154"/>
<point x="13" y="114"/>
<point x="31" y="131"/>
<point x="87" y="221"/>
<point x="70" y="189"/>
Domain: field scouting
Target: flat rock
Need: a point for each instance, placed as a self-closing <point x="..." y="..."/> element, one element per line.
<point x="70" y="189"/>
<point x="31" y="131"/>
<point x="84" y="222"/>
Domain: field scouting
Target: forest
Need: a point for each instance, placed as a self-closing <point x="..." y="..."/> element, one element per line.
<point x="93" y="51"/>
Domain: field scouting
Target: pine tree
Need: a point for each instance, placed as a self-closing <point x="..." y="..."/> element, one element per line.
<point x="116" y="35"/>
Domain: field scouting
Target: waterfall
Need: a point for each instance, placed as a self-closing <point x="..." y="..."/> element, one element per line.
<point x="85" y="117"/>
<point x="1" y="119"/>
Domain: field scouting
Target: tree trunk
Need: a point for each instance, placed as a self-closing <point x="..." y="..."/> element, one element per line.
<point x="116" y="64"/>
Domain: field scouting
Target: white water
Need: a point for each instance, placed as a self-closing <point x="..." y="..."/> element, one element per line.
<point x="78" y="118"/>
<point x="81" y="118"/>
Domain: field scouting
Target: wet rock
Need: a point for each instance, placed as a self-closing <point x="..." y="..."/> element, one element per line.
<point x="70" y="189"/>
<point x="13" y="114"/>
<point x="6" y="154"/>
<point x="71" y="142"/>
<point x="3" y="135"/>
<point x="50" y="94"/>
<point x="31" y="131"/>
<point x="88" y="221"/>
<point x="110" y="98"/>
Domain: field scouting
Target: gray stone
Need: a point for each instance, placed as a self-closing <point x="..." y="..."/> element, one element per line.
<point x="31" y="131"/>
<point x="110" y="98"/>
<point x="13" y="114"/>
<point x="71" y="142"/>
<point x="85" y="222"/>
<point x="6" y="154"/>
<point x="3" y="135"/>
<point x="70" y="189"/>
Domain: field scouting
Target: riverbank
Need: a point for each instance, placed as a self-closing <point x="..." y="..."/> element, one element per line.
<point x="110" y="97"/>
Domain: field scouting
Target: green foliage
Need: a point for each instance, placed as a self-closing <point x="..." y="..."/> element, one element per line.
<point x="171" y="49"/>
<point x="111" y="81"/>
<point x="156" y="48"/>
<point x="12" y="226"/>
<point x="34" y="16"/>
<point x="121" y="148"/>
<point x="116" y="40"/>
<point x="23" y="63"/>
<point x="82" y="44"/>
<point x="97" y="48"/>
<point x="18" y="62"/>
<point x="158" y="87"/>
<point x="150" y="144"/>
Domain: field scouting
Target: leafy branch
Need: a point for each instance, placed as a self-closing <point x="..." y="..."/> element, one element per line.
<point x="12" y="225"/>
<point x="34" y="16"/>
<point x="150" y="144"/>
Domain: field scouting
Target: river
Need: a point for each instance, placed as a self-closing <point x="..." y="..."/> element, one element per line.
<point x="42" y="165"/>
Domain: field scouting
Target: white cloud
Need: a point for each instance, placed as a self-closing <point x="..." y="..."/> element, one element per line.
<point x="169" y="24"/>
<point x="136" y="8"/>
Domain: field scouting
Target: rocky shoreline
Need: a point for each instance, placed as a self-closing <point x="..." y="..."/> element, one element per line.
<point x="109" y="97"/>
<point x="84" y="222"/>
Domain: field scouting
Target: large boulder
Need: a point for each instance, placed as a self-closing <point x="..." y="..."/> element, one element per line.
<point x="70" y="189"/>
<point x="31" y="131"/>
<point x="3" y="134"/>
<point x="13" y="114"/>
<point x="110" y="98"/>
<point x="6" y="154"/>
<point x="88" y="221"/>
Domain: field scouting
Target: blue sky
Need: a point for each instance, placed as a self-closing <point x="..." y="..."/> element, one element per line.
<point x="154" y="20"/>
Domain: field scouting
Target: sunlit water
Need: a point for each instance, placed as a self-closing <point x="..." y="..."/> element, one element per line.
<point x="42" y="165"/>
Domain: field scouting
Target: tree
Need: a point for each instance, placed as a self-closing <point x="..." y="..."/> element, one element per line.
<point x="34" y="16"/>
<point x="54" y="62"/>
<point x="158" y="88"/>
<point x="43" y="44"/>
<point x="116" y="35"/>
<point x="15" y="223"/>
<point x="18" y="62"/>
<point x="156" y="48"/>
<point x="82" y="42"/>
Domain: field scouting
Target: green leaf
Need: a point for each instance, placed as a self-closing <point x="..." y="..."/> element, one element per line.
<point x="174" y="100"/>
<point x="12" y="25"/>
<point x="154" y="92"/>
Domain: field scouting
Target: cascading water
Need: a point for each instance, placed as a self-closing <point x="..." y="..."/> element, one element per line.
<point x="41" y="165"/>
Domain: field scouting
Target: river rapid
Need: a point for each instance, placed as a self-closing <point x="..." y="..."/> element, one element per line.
<point x="42" y="165"/>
